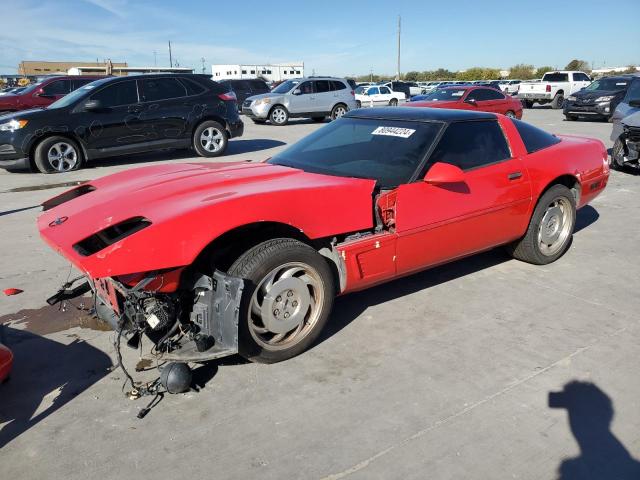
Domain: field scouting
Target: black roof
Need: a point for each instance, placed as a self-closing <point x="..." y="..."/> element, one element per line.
<point x="419" y="114"/>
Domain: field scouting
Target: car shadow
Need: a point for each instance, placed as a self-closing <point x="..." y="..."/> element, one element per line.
<point x="349" y="307"/>
<point x="602" y="454"/>
<point x="236" y="147"/>
<point x="46" y="376"/>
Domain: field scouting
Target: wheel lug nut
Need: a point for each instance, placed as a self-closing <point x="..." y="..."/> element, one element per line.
<point x="289" y="293"/>
<point x="294" y="304"/>
<point x="278" y="298"/>
<point x="276" y="312"/>
<point x="286" y="314"/>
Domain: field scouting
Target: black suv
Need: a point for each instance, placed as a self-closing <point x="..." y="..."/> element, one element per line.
<point x="246" y="88"/>
<point x="122" y="115"/>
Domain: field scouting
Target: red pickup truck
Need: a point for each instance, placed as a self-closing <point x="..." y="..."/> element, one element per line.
<point x="42" y="94"/>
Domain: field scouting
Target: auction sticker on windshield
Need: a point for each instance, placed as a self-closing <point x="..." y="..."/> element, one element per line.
<point x="394" y="132"/>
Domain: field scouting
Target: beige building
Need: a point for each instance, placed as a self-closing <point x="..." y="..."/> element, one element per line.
<point x="37" y="67"/>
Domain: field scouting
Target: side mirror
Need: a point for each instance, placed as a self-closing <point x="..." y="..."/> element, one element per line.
<point x="93" y="106"/>
<point x="40" y="93"/>
<point x="470" y="101"/>
<point x="635" y="103"/>
<point x="296" y="92"/>
<point x="441" y="173"/>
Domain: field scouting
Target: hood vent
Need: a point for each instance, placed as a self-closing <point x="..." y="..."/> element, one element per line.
<point x="110" y="235"/>
<point x="66" y="196"/>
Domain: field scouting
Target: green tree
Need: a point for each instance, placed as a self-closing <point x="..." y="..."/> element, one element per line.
<point x="540" y="71"/>
<point x="631" y="69"/>
<point x="522" y="71"/>
<point x="412" y="76"/>
<point x="576" y="64"/>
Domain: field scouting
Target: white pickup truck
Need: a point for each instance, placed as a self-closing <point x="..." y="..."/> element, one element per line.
<point x="553" y="87"/>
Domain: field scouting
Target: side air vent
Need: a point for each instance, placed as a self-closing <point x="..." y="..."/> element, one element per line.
<point x="110" y="235"/>
<point x="66" y="196"/>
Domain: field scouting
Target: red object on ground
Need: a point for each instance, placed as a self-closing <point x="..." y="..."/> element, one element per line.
<point x="12" y="291"/>
<point x="479" y="99"/>
<point x="6" y="362"/>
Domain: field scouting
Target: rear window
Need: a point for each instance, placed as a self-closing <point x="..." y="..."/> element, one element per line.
<point x="555" y="77"/>
<point x="156" y="89"/>
<point x="193" y="88"/>
<point x="533" y="138"/>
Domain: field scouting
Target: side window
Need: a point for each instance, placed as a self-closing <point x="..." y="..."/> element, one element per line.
<point x="494" y="94"/>
<point x="193" y="88"/>
<point x="633" y="93"/>
<point x="322" y="86"/>
<point x="581" y="77"/>
<point x="485" y="94"/>
<point x="59" y="87"/>
<point x="385" y="90"/>
<point x="471" y="145"/>
<point x="77" y="83"/>
<point x="258" y="86"/>
<point x="373" y="91"/>
<point x="156" y="89"/>
<point x="337" y="85"/>
<point x="533" y="138"/>
<point x="122" y="93"/>
<point x="306" y="88"/>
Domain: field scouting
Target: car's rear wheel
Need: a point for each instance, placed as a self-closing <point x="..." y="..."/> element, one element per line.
<point x="259" y="121"/>
<point x="279" y="115"/>
<point x="550" y="229"/>
<point x="338" y="111"/>
<point x="393" y="102"/>
<point x="558" y="101"/>
<point x="288" y="295"/>
<point x="358" y="104"/>
<point x="510" y="114"/>
<point x="527" y="104"/>
<point x="57" y="155"/>
<point x="210" y="139"/>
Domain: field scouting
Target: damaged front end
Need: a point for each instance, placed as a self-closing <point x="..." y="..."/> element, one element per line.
<point x="193" y="321"/>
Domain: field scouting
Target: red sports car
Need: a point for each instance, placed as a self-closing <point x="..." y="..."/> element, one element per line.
<point x="6" y="359"/>
<point x="479" y="99"/>
<point x="210" y="259"/>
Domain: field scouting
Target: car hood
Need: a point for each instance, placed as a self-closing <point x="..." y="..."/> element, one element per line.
<point x="32" y="113"/>
<point x="188" y="205"/>
<point x="265" y="95"/>
<point x="593" y="94"/>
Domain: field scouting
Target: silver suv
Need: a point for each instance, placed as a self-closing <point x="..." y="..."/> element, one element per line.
<point x="311" y="97"/>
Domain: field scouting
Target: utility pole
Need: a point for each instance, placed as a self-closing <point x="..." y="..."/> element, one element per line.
<point x="170" y="57"/>
<point x="202" y="60"/>
<point x="399" y="27"/>
<point x="371" y="75"/>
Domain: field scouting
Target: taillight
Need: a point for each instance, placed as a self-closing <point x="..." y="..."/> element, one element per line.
<point x="548" y="88"/>
<point x="353" y="93"/>
<point x="228" y="96"/>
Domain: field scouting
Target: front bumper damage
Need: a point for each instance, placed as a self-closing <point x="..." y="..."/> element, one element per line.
<point x="197" y="323"/>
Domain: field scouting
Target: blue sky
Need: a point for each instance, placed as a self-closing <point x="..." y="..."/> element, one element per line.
<point x="331" y="37"/>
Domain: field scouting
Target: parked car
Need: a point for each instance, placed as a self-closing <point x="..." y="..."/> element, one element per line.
<point x="398" y="87"/>
<point x="246" y="88"/>
<point x="553" y="88"/>
<point x="625" y="133"/>
<point x="599" y="99"/>
<point x="122" y="115"/>
<point x="378" y="95"/>
<point x="6" y="358"/>
<point x="314" y="98"/>
<point x="510" y="87"/>
<point x="482" y="99"/>
<point x="42" y="94"/>
<point x="247" y="257"/>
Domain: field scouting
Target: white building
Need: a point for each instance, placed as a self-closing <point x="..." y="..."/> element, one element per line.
<point x="270" y="72"/>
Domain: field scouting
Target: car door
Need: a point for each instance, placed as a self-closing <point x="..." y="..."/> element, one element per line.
<point x="115" y="126"/>
<point x="483" y="99"/>
<point x="437" y="223"/>
<point x="324" y="96"/>
<point x="51" y="92"/>
<point x="303" y="99"/>
<point x="373" y="97"/>
<point x="580" y="80"/>
<point x="385" y="96"/>
<point x="165" y="108"/>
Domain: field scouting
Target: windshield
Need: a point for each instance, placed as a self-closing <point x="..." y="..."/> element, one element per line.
<point x="32" y="88"/>
<point x="286" y="86"/>
<point x="387" y="151"/>
<point x="360" y="90"/>
<point x="555" y="77"/>
<point x="445" y="94"/>
<point x="608" y="84"/>
<point x="73" y="96"/>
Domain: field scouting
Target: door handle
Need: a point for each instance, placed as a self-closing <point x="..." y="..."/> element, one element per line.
<point x="514" y="175"/>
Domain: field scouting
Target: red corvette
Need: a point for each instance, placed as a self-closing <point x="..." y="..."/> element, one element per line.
<point x="478" y="99"/>
<point x="210" y="259"/>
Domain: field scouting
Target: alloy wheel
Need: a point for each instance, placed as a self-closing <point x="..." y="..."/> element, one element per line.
<point x="62" y="157"/>
<point x="211" y="139"/>
<point x="555" y="227"/>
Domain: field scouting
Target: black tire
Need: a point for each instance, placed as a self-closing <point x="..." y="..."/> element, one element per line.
<point x="254" y="266"/>
<point x="48" y="147"/>
<point x="393" y="102"/>
<point x="210" y="139"/>
<point x="338" y="111"/>
<point x="318" y="119"/>
<point x="528" y="248"/>
<point x="558" y="101"/>
<point x="510" y="114"/>
<point x="279" y="115"/>
<point x="358" y="104"/>
<point x="618" y="151"/>
<point x="527" y="103"/>
<point x="570" y="118"/>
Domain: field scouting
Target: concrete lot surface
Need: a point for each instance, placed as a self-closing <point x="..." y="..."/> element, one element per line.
<point x="442" y="375"/>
